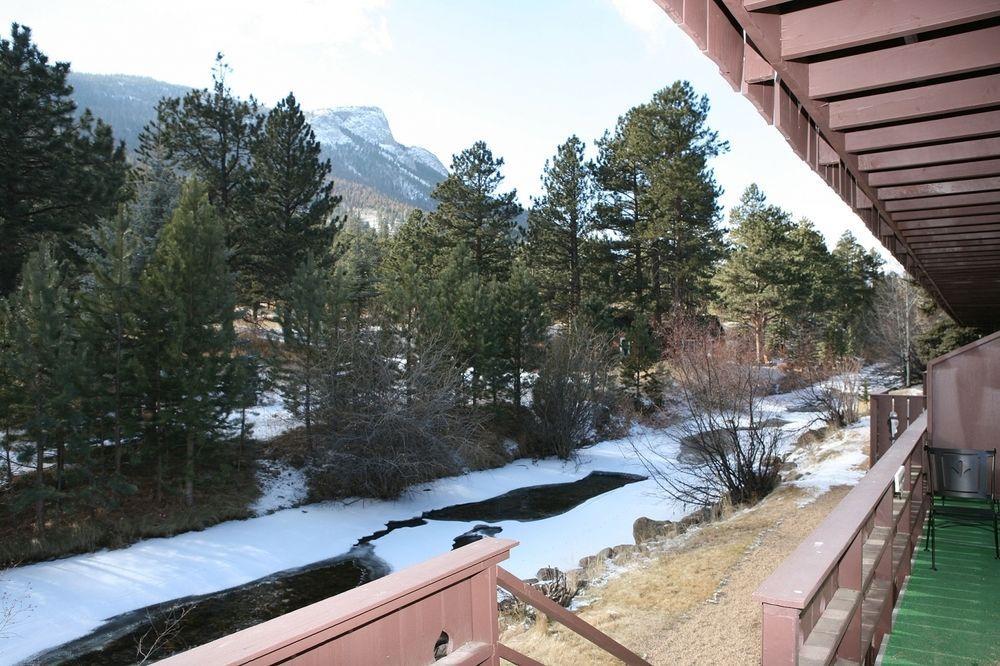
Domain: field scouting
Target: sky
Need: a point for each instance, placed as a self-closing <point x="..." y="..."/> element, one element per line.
<point x="523" y="75"/>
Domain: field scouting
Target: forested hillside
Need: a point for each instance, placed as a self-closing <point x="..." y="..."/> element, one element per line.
<point x="148" y="303"/>
<point x="378" y="179"/>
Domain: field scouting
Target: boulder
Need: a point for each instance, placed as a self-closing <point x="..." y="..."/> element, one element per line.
<point x="646" y="529"/>
<point x="576" y="580"/>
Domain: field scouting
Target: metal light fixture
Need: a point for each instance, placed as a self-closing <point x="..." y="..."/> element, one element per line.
<point x="893" y="426"/>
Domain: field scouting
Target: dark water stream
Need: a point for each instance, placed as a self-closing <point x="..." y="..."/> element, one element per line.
<point x="193" y="621"/>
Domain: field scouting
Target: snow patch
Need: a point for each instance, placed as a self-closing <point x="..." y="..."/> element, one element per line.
<point x="282" y="486"/>
<point x="838" y="460"/>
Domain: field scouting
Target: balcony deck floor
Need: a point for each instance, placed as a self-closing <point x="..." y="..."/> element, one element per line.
<point x="952" y="615"/>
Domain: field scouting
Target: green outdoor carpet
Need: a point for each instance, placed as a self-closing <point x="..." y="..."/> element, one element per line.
<point x="952" y="615"/>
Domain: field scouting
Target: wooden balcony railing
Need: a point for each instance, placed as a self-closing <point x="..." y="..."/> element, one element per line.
<point x="442" y="611"/>
<point x="884" y="428"/>
<point x="832" y="598"/>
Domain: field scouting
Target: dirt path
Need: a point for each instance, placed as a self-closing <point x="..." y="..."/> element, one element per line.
<point x="690" y="604"/>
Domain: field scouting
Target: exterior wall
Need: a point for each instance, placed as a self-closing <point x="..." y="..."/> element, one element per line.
<point x="963" y="394"/>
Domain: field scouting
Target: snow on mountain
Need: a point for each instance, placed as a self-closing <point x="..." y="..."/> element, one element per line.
<point x="361" y="147"/>
<point x="356" y="139"/>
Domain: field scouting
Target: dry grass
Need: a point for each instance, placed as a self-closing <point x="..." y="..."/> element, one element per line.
<point x="690" y="604"/>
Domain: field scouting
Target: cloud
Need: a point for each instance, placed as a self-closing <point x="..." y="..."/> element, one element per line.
<point x="646" y="17"/>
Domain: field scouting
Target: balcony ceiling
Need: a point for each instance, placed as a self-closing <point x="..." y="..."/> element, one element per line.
<point x="896" y="104"/>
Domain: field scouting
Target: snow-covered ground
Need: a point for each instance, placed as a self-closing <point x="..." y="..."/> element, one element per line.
<point x="838" y="460"/>
<point x="269" y="418"/>
<point x="71" y="597"/>
<point x="281" y="487"/>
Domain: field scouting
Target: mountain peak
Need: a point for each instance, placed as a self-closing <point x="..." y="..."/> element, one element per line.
<point x="357" y="139"/>
<point x="368" y="122"/>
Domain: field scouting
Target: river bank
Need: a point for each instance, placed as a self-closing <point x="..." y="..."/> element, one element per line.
<point x="687" y="599"/>
<point x="70" y="598"/>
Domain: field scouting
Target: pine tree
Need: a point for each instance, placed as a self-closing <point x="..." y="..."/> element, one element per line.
<point x="107" y="328"/>
<point x="560" y="225"/>
<point x="293" y="201"/>
<point x="459" y="310"/>
<point x="684" y="236"/>
<point x="624" y="209"/>
<point x="406" y="280"/>
<point x="10" y="391"/>
<point x="855" y="278"/>
<point x="157" y="187"/>
<point x="808" y="293"/>
<point x="359" y="251"/>
<point x="519" y="326"/>
<point x="58" y="173"/>
<point x="306" y="315"/>
<point x="43" y="361"/>
<point x="472" y="211"/>
<point x="659" y="198"/>
<point x="189" y="279"/>
<point x="210" y="133"/>
<point x="757" y="280"/>
<point x="639" y="353"/>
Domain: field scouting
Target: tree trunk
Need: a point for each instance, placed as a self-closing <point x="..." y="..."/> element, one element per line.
<point x="189" y="470"/>
<point x="40" y="484"/>
<point x="118" y="397"/>
<point x="6" y="448"/>
<point x="307" y="412"/>
<point x="159" y="476"/>
<point x="655" y="286"/>
<point x="517" y="377"/>
<point x="243" y="438"/>
<point x="907" y="345"/>
<point x="574" y="271"/>
<point x="60" y="464"/>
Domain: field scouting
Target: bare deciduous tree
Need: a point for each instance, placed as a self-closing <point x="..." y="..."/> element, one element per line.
<point x="834" y="390"/>
<point x="728" y="439"/>
<point x="896" y="322"/>
<point x="380" y="432"/>
<point x="569" y="398"/>
<point x="159" y="634"/>
<point x="10" y="607"/>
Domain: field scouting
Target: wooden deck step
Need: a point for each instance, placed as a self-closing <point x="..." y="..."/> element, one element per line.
<point x="871" y="609"/>
<point x="820" y="647"/>
<point x="872" y="551"/>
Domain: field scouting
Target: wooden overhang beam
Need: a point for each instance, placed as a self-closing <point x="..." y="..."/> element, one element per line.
<point x="912" y="103"/>
<point x="835" y="26"/>
<point x="909" y="63"/>
<point x="934" y="174"/>
<point x="946" y="212"/>
<point x="966" y="126"/>
<point x="958" y="151"/>
<point x="935" y="224"/>
<point x="778" y="88"/>
<point x="940" y="188"/>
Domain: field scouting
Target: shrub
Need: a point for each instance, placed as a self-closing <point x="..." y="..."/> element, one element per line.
<point x="728" y="440"/>
<point x="570" y="402"/>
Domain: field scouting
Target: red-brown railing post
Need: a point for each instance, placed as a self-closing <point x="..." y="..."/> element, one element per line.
<point x="781" y="635"/>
